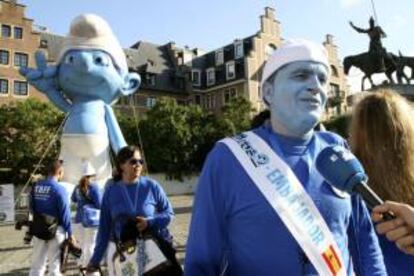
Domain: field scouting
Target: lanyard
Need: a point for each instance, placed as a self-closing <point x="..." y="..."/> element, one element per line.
<point x="134" y="205"/>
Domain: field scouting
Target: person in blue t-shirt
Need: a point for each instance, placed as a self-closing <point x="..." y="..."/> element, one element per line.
<point x="234" y="230"/>
<point x="382" y="138"/>
<point x="51" y="199"/>
<point x="86" y="193"/>
<point x="130" y="196"/>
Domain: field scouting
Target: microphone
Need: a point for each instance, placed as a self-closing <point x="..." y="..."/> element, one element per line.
<point x="341" y="169"/>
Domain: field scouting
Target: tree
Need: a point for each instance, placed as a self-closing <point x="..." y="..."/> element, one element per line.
<point x="168" y="137"/>
<point x="339" y="124"/>
<point x="177" y="138"/>
<point x="239" y="112"/>
<point x="27" y="128"/>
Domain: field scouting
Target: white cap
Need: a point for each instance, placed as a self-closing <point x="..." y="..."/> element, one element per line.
<point x="294" y="50"/>
<point x="89" y="31"/>
<point x="87" y="169"/>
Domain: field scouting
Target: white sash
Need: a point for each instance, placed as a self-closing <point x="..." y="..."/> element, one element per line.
<point x="281" y="188"/>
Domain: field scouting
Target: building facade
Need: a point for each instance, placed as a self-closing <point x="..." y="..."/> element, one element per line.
<point x="191" y="76"/>
<point x="211" y="79"/>
<point x="18" y="44"/>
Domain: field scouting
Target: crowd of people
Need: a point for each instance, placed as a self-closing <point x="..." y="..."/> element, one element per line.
<point x="261" y="207"/>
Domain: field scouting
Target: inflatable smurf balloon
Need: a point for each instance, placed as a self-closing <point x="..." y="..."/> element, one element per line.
<point x="91" y="73"/>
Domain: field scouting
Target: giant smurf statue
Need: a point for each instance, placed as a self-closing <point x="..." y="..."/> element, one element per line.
<point x="91" y="73"/>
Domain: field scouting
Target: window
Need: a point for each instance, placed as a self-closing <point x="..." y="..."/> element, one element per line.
<point x="335" y="92"/>
<point x="211" y="76"/>
<point x="150" y="79"/>
<point x="229" y="94"/>
<point x="20" y="88"/>
<point x="219" y="57"/>
<point x="21" y="59"/>
<point x="151" y="101"/>
<point x="5" y="31"/>
<point x="208" y="101"/>
<point x="238" y="49"/>
<point x="195" y="77"/>
<point x="198" y="99"/>
<point x="4" y="87"/>
<point x="334" y="71"/>
<point x="230" y="70"/>
<point x="18" y="33"/>
<point x="4" y="57"/>
<point x="270" y="48"/>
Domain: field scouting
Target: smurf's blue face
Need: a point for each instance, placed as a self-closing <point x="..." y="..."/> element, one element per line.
<point x="297" y="95"/>
<point x="89" y="75"/>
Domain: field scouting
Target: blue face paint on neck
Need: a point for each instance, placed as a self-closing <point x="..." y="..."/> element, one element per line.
<point x="90" y="74"/>
<point x="298" y="98"/>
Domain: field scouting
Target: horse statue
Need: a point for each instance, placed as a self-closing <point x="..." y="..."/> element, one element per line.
<point x="404" y="61"/>
<point x="365" y="62"/>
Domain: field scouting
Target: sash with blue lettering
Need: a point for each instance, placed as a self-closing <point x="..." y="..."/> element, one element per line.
<point x="281" y="188"/>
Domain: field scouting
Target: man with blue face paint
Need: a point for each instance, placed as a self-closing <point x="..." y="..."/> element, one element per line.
<point x="91" y="74"/>
<point x="261" y="207"/>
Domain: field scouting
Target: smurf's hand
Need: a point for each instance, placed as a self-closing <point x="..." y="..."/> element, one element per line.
<point x="43" y="78"/>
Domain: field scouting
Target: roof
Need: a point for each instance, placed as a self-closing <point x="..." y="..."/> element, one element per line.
<point x="144" y="58"/>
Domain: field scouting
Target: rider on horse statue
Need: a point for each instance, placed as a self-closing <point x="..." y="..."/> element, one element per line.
<point x="376" y="50"/>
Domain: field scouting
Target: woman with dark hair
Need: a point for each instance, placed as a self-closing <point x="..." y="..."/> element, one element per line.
<point x="87" y="196"/>
<point x="382" y="137"/>
<point x="132" y="205"/>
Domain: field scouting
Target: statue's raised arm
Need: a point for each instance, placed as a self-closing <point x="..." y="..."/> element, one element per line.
<point x="359" y="30"/>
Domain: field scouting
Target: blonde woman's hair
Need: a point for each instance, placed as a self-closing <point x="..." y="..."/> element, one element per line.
<point x="382" y="137"/>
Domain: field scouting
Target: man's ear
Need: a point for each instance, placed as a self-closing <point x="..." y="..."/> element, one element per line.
<point x="131" y="84"/>
<point x="267" y="93"/>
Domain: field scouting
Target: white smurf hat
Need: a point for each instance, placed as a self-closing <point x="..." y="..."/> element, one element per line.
<point x="294" y="50"/>
<point x="87" y="169"/>
<point x="89" y="31"/>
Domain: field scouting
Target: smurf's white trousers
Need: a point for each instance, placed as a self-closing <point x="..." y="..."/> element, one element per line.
<point x="44" y="251"/>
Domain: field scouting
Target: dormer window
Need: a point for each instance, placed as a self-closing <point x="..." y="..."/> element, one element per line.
<point x="150" y="79"/>
<point x="230" y="70"/>
<point x="238" y="49"/>
<point x="211" y="76"/>
<point x="219" y="57"/>
<point x="195" y="77"/>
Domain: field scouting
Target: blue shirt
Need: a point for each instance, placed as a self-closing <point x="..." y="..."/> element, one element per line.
<point x="397" y="262"/>
<point x="94" y="195"/>
<point x="144" y="198"/>
<point x="234" y="226"/>
<point x="51" y="199"/>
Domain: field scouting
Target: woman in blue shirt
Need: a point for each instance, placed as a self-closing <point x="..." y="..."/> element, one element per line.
<point x="130" y="195"/>
<point x="86" y="193"/>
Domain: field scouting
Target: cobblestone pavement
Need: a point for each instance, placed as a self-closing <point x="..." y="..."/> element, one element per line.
<point x="15" y="256"/>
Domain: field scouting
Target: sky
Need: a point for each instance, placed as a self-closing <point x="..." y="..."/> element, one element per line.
<point x="210" y="24"/>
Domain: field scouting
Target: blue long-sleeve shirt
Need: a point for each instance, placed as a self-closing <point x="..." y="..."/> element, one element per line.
<point x="234" y="227"/>
<point x="50" y="198"/>
<point x="94" y="193"/>
<point x="397" y="262"/>
<point x="144" y="198"/>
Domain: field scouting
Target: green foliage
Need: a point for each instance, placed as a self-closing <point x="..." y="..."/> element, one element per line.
<point x="26" y="130"/>
<point x="177" y="138"/>
<point x="339" y="125"/>
<point x="238" y="111"/>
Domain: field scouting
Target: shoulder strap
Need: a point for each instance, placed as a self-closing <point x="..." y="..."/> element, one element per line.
<point x="286" y="195"/>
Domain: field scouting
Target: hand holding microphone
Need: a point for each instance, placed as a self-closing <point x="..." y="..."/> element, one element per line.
<point x="399" y="230"/>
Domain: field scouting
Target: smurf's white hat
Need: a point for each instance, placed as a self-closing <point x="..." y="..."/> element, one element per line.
<point x="294" y="50"/>
<point x="89" y="31"/>
<point x="87" y="169"/>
